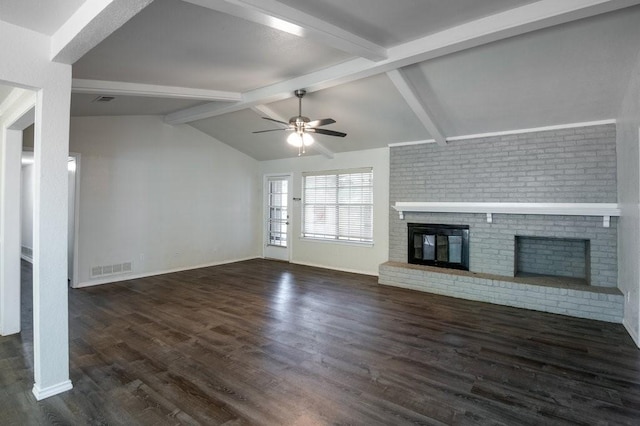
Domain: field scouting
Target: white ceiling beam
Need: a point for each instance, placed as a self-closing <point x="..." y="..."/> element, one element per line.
<point x="285" y="18"/>
<point x="13" y="97"/>
<point x="151" y="90"/>
<point x="521" y="20"/>
<point x="265" y="111"/>
<point x="322" y="149"/>
<point x="311" y="82"/>
<point x="404" y="85"/>
<point x="94" y="21"/>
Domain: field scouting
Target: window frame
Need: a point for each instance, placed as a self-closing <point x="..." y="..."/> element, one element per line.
<point x="336" y="236"/>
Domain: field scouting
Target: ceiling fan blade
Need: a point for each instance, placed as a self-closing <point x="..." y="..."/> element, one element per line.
<point x="327" y="132"/>
<point x="322" y="122"/>
<point x="276" y="121"/>
<point x="270" y="130"/>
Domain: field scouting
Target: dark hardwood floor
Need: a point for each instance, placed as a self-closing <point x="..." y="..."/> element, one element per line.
<point x="265" y="342"/>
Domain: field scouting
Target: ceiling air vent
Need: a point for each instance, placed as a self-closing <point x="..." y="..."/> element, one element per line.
<point x="104" y="99"/>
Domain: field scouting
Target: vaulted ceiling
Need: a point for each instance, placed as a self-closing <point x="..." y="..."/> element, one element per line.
<point x="386" y="71"/>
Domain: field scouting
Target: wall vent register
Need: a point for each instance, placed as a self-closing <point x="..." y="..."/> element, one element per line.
<point x="445" y="246"/>
<point x="115" y="269"/>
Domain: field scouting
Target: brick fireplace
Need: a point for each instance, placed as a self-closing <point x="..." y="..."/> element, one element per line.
<point x="568" y="166"/>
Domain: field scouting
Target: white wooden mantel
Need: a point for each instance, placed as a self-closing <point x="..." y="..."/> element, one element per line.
<point x="606" y="210"/>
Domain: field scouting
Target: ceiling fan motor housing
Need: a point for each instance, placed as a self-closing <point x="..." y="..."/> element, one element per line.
<point x="301" y="124"/>
<point x="299" y="121"/>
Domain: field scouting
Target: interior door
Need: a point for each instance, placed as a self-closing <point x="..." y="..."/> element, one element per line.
<point x="277" y="241"/>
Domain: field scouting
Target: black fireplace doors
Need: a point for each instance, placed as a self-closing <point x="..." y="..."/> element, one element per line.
<point x="445" y="246"/>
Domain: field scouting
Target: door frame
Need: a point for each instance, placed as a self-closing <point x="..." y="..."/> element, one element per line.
<point x="265" y="211"/>
<point x="74" y="241"/>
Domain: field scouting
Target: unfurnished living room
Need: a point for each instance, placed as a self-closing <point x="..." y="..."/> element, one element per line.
<point x="298" y="212"/>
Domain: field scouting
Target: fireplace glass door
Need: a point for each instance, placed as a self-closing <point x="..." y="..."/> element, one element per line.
<point x="439" y="245"/>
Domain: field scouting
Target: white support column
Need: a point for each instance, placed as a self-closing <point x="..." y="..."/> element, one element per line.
<point x="10" y="232"/>
<point x="50" y="288"/>
<point x="26" y="63"/>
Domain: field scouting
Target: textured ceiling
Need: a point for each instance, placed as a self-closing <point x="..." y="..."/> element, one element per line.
<point x="176" y="43"/>
<point x="392" y="22"/>
<point x="570" y="73"/>
<point x="43" y="16"/>
<point x="549" y="71"/>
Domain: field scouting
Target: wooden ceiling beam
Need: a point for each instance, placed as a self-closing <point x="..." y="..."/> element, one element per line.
<point x="406" y="88"/>
<point x="94" y="21"/>
<point x="151" y="90"/>
<point x="513" y="22"/>
<point x="285" y="18"/>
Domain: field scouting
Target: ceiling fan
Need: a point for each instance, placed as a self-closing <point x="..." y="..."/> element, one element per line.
<point x="302" y="127"/>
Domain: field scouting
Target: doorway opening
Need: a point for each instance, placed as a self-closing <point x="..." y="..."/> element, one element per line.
<point x="26" y="205"/>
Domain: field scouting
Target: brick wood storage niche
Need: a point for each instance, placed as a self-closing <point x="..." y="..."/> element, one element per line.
<point x="575" y="165"/>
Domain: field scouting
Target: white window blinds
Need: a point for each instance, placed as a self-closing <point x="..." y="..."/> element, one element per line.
<point x="338" y="205"/>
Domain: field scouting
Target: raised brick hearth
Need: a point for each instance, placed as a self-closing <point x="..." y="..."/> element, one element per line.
<point x="599" y="303"/>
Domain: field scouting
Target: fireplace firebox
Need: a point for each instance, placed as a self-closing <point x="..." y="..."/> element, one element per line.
<point x="445" y="246"/>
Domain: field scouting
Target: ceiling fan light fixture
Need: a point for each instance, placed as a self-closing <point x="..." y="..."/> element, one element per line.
<point x="299" y="139"/>
<point x="301" y="127"/>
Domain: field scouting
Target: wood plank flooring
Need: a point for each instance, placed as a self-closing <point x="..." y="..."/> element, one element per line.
<point x="269" y="343"/>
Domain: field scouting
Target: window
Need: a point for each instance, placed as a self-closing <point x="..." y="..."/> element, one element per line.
<point x="278" y="217"/>
<point x="338" y="205"/>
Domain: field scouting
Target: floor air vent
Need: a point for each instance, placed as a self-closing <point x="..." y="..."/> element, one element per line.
<point x="115" y="269"/>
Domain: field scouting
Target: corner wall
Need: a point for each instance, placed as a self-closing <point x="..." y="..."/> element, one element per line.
<point x="628" y="141"/>
<point x="26" y="63"/>
<point x="160" y="198"/>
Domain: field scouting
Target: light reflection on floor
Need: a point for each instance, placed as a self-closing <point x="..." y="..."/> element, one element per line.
<point x="284" y="296"/>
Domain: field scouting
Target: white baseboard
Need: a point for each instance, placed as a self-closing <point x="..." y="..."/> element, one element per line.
<point x="353" y="271"/>
<point x="119" y="278"/>
<point x="631" y="332"/>
<point x="41" y="394"/>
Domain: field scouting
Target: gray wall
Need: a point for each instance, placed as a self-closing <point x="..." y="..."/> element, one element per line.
<point x="561" y="166"/>
<point x="628" y="144"/>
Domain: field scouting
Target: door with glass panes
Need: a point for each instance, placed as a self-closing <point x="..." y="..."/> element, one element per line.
<point x="277" y="241"/>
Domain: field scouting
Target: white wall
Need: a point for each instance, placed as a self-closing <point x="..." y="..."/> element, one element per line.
<point x="26" y="63"/>
<point x="347" y="257"/>
<point x="163" y="197"/>
<point x="10" y="147"/>
<point x="628" y="151"/>
<point x="19" y="113"/>
<point x="26" y="204"/>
